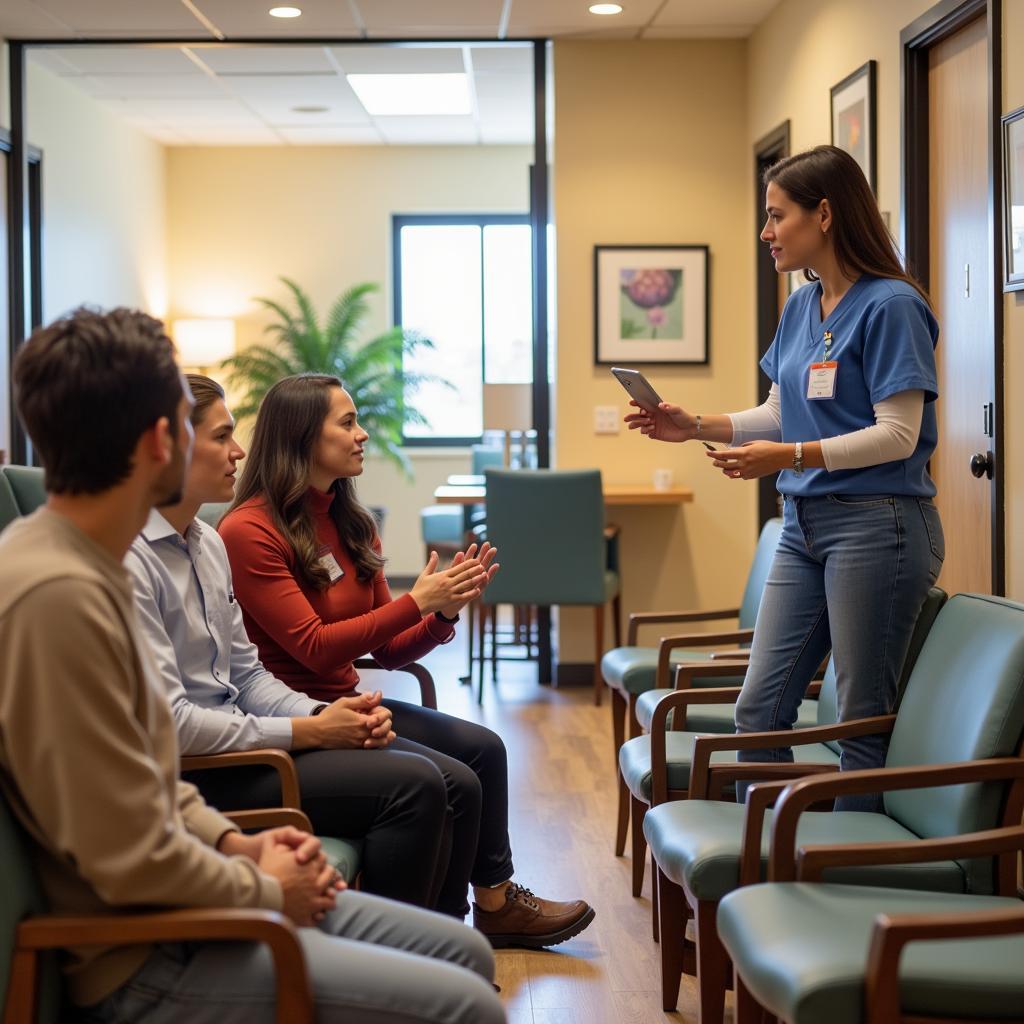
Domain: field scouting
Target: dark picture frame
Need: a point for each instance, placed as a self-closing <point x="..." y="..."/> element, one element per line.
<point x="1013" y="200"/>
<point x="853" y="105"/>
<point x="651" y="305"/>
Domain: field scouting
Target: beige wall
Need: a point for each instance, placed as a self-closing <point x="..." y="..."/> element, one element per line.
<point x="1013" y="334"/>
<point x="652" y="149"/>
<point x="238" y="218"/>
<point x="103" y="203"/>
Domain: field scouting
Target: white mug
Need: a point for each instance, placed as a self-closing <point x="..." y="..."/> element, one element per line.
<point x="662" y="479"/>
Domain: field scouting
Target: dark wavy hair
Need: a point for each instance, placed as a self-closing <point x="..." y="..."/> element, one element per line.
<point x="288" y="426"/>
<point x="860" y="239"/>
<point x="87" y="387"/>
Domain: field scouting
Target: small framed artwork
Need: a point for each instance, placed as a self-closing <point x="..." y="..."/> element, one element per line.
<point x="650" y="304"/>
<point x="853" y="118"/>
<point x="1013" y="201"/>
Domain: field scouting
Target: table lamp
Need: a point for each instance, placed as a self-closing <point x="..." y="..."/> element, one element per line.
<point x="204" y="343"/>
<point x="508" y="407"/>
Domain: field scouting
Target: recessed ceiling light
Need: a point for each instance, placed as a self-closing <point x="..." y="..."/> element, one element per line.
<point x="310" y="110"/>
<point x="285" y="12"/>
<point x="605" y="8"/>
<point x="415" y="95"/>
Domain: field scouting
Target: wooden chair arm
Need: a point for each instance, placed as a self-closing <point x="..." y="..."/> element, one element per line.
<point x="800" y="795"/>
<point x="279" y="760"/>
<point x="760" y="797"/>
<point x="428" y="692"/>
<point x="638" y="619"/>
<point x="707" y="745"/>
<point x="811" y="861"/>
<point x="740" y="654"/>
<point x="892" y="933"/>
<point x="668" y="644"/>
<point x="681" y="700"/>
<point x="690" y="670"/>
<point x="270" y="817"/>
<point x="294" y="994"/>
<point x="720" y="775"/>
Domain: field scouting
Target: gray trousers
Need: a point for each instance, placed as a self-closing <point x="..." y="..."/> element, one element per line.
<point x="370" y="960"/>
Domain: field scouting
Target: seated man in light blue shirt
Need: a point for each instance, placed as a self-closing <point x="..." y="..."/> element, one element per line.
<point x="223" y="699"/>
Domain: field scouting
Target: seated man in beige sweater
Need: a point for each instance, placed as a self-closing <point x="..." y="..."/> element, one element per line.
<point x="88" y="755"/>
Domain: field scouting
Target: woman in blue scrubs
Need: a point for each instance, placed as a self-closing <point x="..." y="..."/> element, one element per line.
<point x="849" y="425"/>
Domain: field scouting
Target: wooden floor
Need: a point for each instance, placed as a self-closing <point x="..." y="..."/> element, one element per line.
<point x="562" y="807"/>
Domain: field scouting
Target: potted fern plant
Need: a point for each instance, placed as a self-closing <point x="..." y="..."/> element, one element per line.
<point x="371" y="370"/>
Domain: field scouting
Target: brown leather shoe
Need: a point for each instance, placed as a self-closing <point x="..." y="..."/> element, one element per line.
<point x="527" y="920"/>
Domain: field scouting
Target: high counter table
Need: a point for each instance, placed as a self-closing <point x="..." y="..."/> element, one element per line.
<point x="615" y="495"/>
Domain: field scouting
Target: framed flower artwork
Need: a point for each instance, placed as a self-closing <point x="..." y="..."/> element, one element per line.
<point x="853" y="118"/>
<point x="650" y="304"/>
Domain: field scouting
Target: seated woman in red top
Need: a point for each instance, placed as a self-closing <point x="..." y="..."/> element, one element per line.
<point x="308" y="572"/>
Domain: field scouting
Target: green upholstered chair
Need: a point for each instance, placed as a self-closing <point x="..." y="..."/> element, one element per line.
<point x="639" y="677"/>
<point x="30" y="983"/>
<point x="656" y="770"/>
<point x="964" y="701"/>
<point x="548" y="526"/>
<point x="212" y="512"/>
<point x="9" y="510"/>
<point x="808" y="952"/>
<point x="26" y="483"/>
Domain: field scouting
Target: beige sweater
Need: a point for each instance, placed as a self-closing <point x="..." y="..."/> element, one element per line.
<point x="88" y="753"/>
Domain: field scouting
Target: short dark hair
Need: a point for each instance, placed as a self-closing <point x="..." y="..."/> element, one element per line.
<point x="87" y="387"/>
<point x="205" y="391"/>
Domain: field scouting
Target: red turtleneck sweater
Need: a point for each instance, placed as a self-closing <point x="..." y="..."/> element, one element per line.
<point x="307" y="637"/>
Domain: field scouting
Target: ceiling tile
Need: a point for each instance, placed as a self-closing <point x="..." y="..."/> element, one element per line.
<point x="223" y="112"/>
<point x="20" y="19"/>
<point x="121" y="60"/>
<point x="225" y="135"/>
<point x="510" y="57"/>
<point x="400" y="60"/>
<point x="331" y="135"/>
<point x="141" y="87"/>
<point x="273" y="98"/>
<point x="240" y="18"/>
<point x="265" y="60"/>
<point x="410" y="17"/>
<point x="495" y="132"/>
<point x="542" y="17"/>
<point x="441" y="131"/>
<point x="744" y="14"/>
<point x="697" y="31"/>
<point x="504" y="96"/>
<point x="117" y="18"/>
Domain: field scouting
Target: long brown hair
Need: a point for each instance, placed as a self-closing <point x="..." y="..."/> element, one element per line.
<point x="861" y="241"/>
<point x="288" y="426"/>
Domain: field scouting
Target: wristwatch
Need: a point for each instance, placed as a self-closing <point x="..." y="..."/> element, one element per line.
<point x="444" y="618"/>
<point x="798" y="457"/>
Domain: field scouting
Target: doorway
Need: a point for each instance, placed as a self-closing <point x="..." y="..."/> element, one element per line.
<point x="951" y="72"/>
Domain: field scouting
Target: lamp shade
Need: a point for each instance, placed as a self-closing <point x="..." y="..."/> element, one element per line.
<point x="508" y="406"/>
<point x="204" y="342"/>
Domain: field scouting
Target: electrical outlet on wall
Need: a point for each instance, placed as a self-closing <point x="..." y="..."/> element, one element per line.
<point x="606" y="419"/>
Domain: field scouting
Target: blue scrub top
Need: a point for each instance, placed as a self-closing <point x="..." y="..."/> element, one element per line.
<point x="883" y="338"/>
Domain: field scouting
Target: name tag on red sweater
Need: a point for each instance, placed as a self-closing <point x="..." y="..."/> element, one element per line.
<point x="330" y="563"/>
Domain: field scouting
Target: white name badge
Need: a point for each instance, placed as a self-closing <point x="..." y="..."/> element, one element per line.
<point x="330" y="563"/>
<point x="821" y="380"/>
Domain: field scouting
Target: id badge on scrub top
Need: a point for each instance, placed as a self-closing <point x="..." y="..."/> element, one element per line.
<point x="821" y="380"/>
<point x="326" y="560"/>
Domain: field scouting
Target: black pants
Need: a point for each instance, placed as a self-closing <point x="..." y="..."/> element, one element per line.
<point x="474" y="765"/>
<point x="432" y="807"/>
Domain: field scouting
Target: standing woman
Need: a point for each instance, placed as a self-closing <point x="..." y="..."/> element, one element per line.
<point x="308" y="572"/>
<point x="850" y="422"/>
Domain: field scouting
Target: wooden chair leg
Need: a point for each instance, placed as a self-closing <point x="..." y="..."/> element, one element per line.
<point x="619" y="713"/>
<point x="655" y="901"/>
<point x="713" y="965"/>
<point x="494" y="643"/>
<point x="482" y="612"/>
<point x="467" y="679"/>
<point x="22" y="987"/>
<point x="617" y="619"/>
<point x="672" y="916"/>
<point x="748" y="1009"/>
<point x="598" y="652"/>
<point x="638" y="809"/>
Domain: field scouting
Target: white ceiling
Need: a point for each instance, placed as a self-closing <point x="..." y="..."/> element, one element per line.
<point x="209" y="95"/>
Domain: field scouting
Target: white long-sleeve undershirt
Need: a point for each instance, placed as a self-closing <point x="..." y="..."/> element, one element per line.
<point x="893" y="435"/>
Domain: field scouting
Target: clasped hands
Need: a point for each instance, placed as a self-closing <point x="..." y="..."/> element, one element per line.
<point x="309" y="883"/>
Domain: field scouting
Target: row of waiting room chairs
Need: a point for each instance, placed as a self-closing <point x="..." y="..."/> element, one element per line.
<point x="30" y="987"/>
<point x="805" y="911"/>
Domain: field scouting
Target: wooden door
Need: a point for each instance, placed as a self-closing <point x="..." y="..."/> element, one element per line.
<point x="960" y="285"/>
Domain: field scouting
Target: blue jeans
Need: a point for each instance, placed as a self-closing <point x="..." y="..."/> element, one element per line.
<point x="850" y="574"/>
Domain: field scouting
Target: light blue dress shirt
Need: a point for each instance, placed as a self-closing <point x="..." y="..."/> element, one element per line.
<point x="221" y="695"/>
